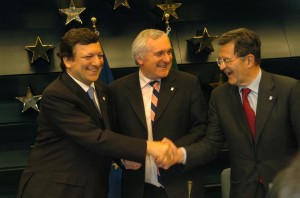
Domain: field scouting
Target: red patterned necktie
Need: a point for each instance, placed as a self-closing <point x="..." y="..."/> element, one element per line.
<point x="250" y="115"/>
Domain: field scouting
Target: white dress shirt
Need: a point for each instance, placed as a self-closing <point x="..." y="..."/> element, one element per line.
<point x="151" y="168"/>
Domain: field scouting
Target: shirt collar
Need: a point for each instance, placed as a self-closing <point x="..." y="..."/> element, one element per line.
<point x="144" y="81"/>
<point x="254" y="85"/>
<point x="81" y="84"/>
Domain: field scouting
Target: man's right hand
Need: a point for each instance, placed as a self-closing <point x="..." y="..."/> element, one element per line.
<point x="162" y="152"/>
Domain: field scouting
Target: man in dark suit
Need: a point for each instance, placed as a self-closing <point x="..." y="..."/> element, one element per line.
<point x="180" y="115"/>
<point x="260" y="147"/>
<point x="71" y="155"/>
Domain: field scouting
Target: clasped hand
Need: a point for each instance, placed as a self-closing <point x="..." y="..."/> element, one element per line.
<point x="165" y="154"/>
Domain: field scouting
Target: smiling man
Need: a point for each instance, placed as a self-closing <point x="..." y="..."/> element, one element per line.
<point x="72" y="153"/>
<point x="154" y="103"/>
<point x="258" y="113"/>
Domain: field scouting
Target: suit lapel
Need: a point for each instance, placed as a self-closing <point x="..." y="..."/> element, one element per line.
<point x="135" y="98"/>
<point x="102" y="99"/>
<point x="167" y="89"/>
<point x="68" y="81"/>
<point x="267" y="97"/>
<point x="235" y="106"/>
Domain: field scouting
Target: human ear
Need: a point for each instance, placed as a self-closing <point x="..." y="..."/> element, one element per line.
<point x="67" y="61"/>
<point x="139" y="60"/>
<point x="250" y="59"/>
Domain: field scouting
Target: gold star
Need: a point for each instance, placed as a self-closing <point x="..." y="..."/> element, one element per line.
<point x="115" y="166"/>
<point x="29" y="101"/>
<point x="169" y="8"/>
<point x="39" y="50"/>
<point x="121" y="2"/>
<point x="72" y="13"/>
<point x="203" y="42"/>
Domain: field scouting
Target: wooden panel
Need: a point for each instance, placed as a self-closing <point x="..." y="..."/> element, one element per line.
<point x="287" y="66"/>
<point x="292" y="30"/>
<point x="274" y="42"/>
<point x="17" y="133"/>
<point x="16" y="85"/>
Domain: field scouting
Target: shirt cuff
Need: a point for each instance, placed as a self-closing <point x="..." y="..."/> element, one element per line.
<point x="184" y="154"/>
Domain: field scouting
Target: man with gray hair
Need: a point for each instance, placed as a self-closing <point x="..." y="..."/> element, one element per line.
<point x="153" y="103"/>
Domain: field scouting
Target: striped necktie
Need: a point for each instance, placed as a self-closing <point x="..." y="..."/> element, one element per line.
<point x="154" y="101"/>
<point x="154" y="98"/>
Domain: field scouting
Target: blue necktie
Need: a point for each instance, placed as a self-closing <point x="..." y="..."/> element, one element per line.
<point x="91" y="91"/>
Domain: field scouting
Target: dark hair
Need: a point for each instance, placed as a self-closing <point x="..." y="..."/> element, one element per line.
<point x="245" y="42"/>
<point x="74" y="36"/>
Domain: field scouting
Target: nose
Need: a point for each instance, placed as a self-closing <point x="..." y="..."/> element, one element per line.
<point x="167" y="57"/>
<point x="222" y="66"/>
<point x="97" y="61"/>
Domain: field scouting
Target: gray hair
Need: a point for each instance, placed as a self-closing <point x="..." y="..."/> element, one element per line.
<point x="139" y="45"/>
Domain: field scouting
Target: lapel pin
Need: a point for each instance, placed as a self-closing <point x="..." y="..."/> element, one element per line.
<point x="271" y="98"/>
<point x="103" y="98"/>
<point x="172" y="89"/>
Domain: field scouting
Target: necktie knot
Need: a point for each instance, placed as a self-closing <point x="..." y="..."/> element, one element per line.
<point x="245" y="92"/>
<point x="91" y="91"/>
<point x="154" y="83"/>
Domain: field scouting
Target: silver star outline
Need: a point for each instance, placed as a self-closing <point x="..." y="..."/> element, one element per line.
<point x="29" y="101"/>
<point x="72" y="13"/>
<point x="39" y="50"/>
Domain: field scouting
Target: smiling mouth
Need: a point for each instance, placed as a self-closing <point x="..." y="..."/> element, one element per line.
<point x="162" y="66"/>
<point x="92" y="68"/>
<point x="228" y="73"/>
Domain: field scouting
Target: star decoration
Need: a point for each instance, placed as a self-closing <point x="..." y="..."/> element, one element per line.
<point x="169" y="8"/>
<point x="29" y="101"/>
<point x="72" y="13"/>
<point x="115" y="166"/>
<point x="121" y="2"/>
<point x="202" y="42"/>
<point x="39" y="50"/>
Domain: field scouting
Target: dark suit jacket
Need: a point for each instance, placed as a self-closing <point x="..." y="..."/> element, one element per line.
<point x="71" y="155"/>
<point x="180" y="116"/>
<point x="277" y="133"/>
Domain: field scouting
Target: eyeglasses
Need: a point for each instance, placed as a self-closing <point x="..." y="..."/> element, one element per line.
<point x="221" y="61"/>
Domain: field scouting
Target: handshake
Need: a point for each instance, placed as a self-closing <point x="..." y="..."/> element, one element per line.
<point x="164" y="153"/>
